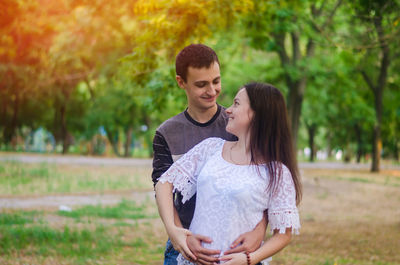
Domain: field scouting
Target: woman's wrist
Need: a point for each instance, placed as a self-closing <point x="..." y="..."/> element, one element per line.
<point x="253" y="258"/>
<point x="248" y="258"/>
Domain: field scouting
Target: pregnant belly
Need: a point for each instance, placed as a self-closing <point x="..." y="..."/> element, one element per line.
<point x="222" y="235"/>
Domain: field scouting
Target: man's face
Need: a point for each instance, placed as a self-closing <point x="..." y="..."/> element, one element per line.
<point x="202" y="87"/>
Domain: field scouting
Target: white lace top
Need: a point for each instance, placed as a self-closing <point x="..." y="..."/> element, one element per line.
<point x="231" y="198"/>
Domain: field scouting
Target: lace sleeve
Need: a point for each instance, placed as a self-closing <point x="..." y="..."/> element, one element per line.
<point x="282" y="210"/>
<point x="183" y="173"/>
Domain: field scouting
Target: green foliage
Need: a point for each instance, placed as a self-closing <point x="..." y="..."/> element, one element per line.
<point x="83" y="68"/>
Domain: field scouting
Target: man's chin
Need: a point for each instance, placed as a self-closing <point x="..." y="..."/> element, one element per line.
<point x="210" y="105"/>
<point x="205" y="104"/>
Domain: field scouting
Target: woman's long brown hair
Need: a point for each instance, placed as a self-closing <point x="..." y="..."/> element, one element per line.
<point x="270" y="136"/>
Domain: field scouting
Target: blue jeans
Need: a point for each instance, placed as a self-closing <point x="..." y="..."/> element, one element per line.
<point x="170" y="254"/>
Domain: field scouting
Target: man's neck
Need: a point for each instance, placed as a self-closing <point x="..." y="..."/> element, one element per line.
<point x="202" y="115"/>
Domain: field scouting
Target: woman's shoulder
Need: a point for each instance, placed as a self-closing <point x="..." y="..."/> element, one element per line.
<point x="208" y="145"/>
<point x="212" y="141"/>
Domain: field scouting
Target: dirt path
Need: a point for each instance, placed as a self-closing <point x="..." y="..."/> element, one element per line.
<point x="54" y="202"/>
<point x="104" y="161"/>
<point x="76" y="160"/>
<point x="321" y="189"/>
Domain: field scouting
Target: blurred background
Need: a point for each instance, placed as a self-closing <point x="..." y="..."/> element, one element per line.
<point x="85" y="82"/>
<point x="97" y="77"/>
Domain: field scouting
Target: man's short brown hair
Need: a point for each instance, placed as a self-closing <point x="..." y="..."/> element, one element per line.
<point x="196" y="56"/>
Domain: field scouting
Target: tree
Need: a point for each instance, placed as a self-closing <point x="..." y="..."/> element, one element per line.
<point x="25" y="40"/>
<point x="305" y="23"/>
<point x="379" y="45"/>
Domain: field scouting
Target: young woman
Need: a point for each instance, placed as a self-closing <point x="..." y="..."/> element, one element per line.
<point x="236" y="182"/>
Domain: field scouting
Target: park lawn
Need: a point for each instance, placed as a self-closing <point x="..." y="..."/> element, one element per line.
<point x="120" y="234"/>
<point x="348" y="217"/>
<point x="18" y="178"/>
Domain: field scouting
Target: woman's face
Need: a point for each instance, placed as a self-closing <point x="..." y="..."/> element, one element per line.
<point x="240" y="114"/>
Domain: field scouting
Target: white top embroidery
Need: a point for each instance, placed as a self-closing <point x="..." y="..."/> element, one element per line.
<point x="231" y="198"/>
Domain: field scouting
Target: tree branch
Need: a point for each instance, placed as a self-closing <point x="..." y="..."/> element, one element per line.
<point x="368" y="80"/>
<point x="317" y="12"/>
<point x="386" y="54"/>
<point x="285" y="60"/>
<point x="295" y="47"/>
<point x="91" y="90"/>
<point x="328" y="21"/>
<point x="280" y="40"/>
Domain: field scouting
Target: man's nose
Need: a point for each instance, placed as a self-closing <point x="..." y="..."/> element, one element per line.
<point x="212" y="89"/>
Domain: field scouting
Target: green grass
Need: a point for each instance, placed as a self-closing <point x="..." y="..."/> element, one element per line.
<point x="20" y="232"/>
<point x="18" y="218"/>
<point x="18" y="178"/>
<point x="370" y="178"/>
<point x="125" y="209"/>
<point x="29" y="237"/>
<point x="78" y="243"/>
<point x="44" y="241"/>
<point x="363" y="180"/>
<point x="324" y="259"/>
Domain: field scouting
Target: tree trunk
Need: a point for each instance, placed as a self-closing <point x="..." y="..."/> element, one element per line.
<point x="56" y="131"/>
<point x="347" y="154"/>
<point x="128" y="142"/>
<point x="3" y="108"/>
<point x="378" y="93"/>
<point x="64" y="130"/>
<point x="114" y="144"/>
<point x="312" y="129"/>
<point x="296" y="87"/>
<point x="376" y="149"/>
<point x="329" y="150"/>
<point x="9" y="131"/>
<point x="148" y="136"/>
<point x="295" y="101"/>
<point x="360" y="150"/>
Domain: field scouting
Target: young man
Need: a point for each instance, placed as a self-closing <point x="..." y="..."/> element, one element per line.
<point x="198" y="73"/>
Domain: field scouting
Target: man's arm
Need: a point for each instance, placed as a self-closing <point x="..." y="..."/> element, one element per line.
<point x="162" y="159"/>
<point x="165" y="207"/>
<point x="161" y="162"/>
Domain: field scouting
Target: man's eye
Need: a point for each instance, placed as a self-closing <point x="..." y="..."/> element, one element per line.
<point x="216" y="82"/>
<point x="200" y="84"/>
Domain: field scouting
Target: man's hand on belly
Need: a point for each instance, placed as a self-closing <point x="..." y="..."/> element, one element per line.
<point x="204" y="255"/>
<point x="251" y="240"/>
